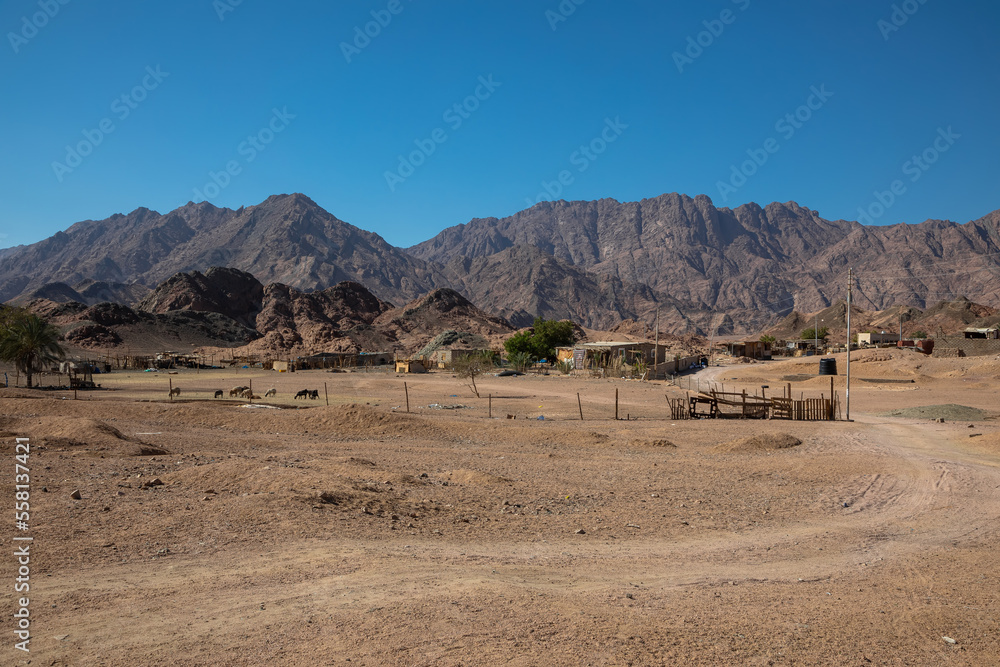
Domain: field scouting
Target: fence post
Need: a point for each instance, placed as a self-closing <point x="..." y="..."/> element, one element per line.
<point x="831" y="398"/>
<point x="579" y="405"/>
<point x="616" y="403"/>
<point x="407" y="391"/>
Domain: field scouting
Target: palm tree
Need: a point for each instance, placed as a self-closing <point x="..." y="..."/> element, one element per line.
<point x="29" y="342"/>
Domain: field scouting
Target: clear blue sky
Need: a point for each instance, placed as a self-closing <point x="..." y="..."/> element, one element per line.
<point x="560" y="82"/>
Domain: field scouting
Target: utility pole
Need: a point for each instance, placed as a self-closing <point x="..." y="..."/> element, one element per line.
<point x="816" y="335"/>
<point x="711" y="338"/>
<point x="847" y="394"/>
<point x="656" y="345"/>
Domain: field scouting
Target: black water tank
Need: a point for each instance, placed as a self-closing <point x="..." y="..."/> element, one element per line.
<point x="828" y="366"/>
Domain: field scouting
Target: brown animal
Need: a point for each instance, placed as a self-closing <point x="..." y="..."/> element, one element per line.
<point x="271" y="392"/>
<point x="218" y="393"/>
<point x="176" y="391"/>
<point x="236" y="391"/>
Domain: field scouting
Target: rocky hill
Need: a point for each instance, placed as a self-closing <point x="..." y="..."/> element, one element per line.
<point x="336" y="319"/>
<point x="348" y="318"/>
<point x="231" y="292"/>
<point x="442" y="309"/>
<point x="109" y="325"/>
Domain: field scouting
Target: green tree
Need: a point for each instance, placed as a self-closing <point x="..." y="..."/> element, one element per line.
<point x="541" y="340"/>
<point x="918" y="334"/>
<point x="519" y="343"/>
<point x="811" y="334"/>
<point x="767" y="338"/>
<point x="29" y="342"/>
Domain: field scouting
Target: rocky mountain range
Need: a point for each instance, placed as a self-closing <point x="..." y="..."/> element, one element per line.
<point x="747" y="262"/>
<point x="705" y="269"/>
<point x="287" y="239"/>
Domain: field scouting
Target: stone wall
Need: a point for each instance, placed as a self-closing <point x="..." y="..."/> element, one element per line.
<point x="971" y="347"/>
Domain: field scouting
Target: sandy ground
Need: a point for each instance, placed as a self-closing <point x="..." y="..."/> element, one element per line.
<point x="358" y="533"/>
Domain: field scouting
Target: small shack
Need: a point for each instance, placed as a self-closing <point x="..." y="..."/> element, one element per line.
<point x="990" y="333"/>
<point x="604" y="353"/>
<point x="869" y="338"/>
<point x="753" y="349"/>
<point x="411" y="366"/>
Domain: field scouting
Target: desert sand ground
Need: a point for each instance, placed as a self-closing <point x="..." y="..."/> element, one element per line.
<point x="358" y="533"/>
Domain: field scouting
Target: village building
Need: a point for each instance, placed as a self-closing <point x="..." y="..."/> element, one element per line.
<point x="869" y="338"/>
<point x="445" y="358"/>
<point x="411" y="365"/>
<point x="990" y="333"/>
<point x="752" y="349"/>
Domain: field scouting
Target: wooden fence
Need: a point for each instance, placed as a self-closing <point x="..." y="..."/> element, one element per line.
<point x="718" y="404"/>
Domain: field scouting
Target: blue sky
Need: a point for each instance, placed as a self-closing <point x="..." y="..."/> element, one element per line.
<point x="112" y="106"/>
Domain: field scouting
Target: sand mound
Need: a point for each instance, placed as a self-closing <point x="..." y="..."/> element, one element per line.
<point x="246" y="477"/>
<point x="759" y="443"/>
<point x="360" y="419"/>
<point x="92" y="435"/>
<point x="475" y="478"/>
<point x="286" y="481"/>
<point x="949" y="411"/>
